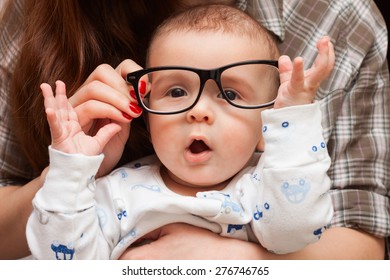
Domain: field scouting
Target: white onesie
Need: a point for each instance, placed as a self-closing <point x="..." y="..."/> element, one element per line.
<point x="280" y="201"/>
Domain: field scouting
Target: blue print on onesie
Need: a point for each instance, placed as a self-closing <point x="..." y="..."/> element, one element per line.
<point x="153" y="188"/>
<point x="60" y="250"/>
<point x="128" y="238"/>
<point x="295" y="190"/>
<point x="263" y="212"/>
<point x="121" y="172"/>
<point x="227" y="205"/>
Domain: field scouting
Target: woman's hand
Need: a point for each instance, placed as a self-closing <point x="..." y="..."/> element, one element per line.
<point x="104" y="98"/>
<point x="187" y="242"/>
<point x="299" y="87"/>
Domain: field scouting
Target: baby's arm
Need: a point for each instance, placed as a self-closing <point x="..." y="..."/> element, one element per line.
<point x="64" y="223"/>
<point x="293" y="206"/>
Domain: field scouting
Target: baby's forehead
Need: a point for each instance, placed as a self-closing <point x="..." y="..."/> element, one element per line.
<point x="219" y="37"/>
<point x="237" y="32"/>
<point x="196" y="42"/>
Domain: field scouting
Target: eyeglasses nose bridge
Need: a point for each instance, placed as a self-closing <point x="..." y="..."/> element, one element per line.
<point x="205" y="75"/>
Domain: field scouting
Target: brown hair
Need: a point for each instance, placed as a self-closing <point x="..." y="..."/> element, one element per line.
<point x="67" y="40"/>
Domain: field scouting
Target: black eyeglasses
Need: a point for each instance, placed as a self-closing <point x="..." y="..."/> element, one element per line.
<point x="249" y="84"/>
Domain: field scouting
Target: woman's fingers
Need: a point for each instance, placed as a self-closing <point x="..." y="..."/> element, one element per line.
<point x="106" y="133"/>
<point x="94" y="109"/>
<point x="114" y="78"/>
<point x="127" y="66"/>
<point x="106" y="74"/>
<point x="97" y="90"/>
<point x="107" y="85"/>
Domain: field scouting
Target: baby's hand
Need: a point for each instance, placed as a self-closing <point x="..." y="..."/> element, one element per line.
<point x="299" y="87"/>
<point x="66" y="133"/>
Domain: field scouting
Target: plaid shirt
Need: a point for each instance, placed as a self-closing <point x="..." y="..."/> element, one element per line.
<point x="355" y="99"/>
<point x="14" y="169"/>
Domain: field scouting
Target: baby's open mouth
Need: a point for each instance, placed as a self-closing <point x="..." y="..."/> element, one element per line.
<point x="198" y="146"/>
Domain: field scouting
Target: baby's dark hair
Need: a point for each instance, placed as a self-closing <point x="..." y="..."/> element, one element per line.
<point x="221" y="18"/>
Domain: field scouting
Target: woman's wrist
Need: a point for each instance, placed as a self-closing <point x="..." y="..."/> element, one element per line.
<point x="42" y="177"/>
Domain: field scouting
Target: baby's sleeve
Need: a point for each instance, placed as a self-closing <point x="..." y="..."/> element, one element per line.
<point x="292" y="206"/>
<point x="64" y="223"/>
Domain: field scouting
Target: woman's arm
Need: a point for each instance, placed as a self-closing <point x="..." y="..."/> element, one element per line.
<point x="172" y="243"/>
<point x="16" y="207"/>
<point x="343" y="243"/>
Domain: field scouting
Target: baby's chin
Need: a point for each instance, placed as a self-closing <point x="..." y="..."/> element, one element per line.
<point x="191" y="183"/>
<point x="205" y="184"/>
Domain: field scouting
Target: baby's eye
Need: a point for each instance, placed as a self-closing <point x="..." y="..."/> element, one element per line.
<point x="177" y="92"/>
<point x="229" y="94"/>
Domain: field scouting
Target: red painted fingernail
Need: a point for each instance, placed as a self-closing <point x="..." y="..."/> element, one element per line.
<point x="142" y="87"/>
<point x="127" y="116"/>
<point x="135" y="108"/>
<point x="132" y="94"/>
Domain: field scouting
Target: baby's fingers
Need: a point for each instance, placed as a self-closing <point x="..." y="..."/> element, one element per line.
<point x="328" y="46"/>
<point x="48" y="96"/>
<point x="61" y="101"/>
<point x="323" y="64"/>
<point x="285" y="68"/>
<point x="297" y="82"/>
<point x="51" y="111"/>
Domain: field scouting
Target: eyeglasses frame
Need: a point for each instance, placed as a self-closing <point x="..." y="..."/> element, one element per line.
<point x="204" y="75"/>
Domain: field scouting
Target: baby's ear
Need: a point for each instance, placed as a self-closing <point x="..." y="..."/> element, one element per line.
<point x="260" y="145"/>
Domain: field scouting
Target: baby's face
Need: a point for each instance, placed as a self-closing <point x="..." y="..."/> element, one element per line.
<point x="205" y="146"/>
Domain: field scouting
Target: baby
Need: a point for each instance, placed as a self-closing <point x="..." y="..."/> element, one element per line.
<point x="223" y="159"/>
